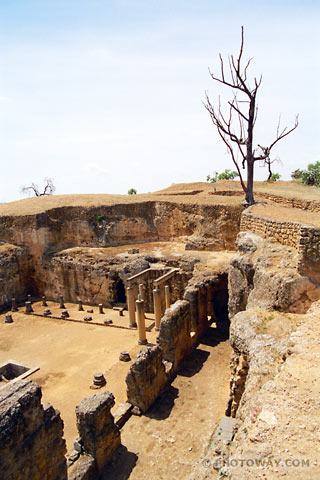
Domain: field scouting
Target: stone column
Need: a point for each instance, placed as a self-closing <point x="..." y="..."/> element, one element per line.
<point x="157" y="306"/>
<point x="142" y="292"/>
<point x="131" y="307"/>
<point x="167" y="295"/>
<point x="141" y="322"/>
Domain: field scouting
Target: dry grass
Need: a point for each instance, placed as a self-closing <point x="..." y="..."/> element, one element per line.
<point x="35" y="205"/>
<point x="289" y="214"/>
<point x="198" y="193"/>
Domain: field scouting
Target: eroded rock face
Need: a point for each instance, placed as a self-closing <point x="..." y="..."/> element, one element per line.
<point x="276" y="415"/>
<point x="99" y="435"/>
<point x="13" y="269"/>
<point x="264" y="276"/>
<point x="31" y="435"/>
<point x="146" y="378"/>
<point x="121" y="224"/>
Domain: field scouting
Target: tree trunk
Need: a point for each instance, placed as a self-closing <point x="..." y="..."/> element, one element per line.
<point x="269" y="170"/>
<point x="249" y="193"/>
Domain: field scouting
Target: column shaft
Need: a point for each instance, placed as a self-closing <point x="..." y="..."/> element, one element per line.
<point x="131" y="307"/>
<point x="157" y="306"/>
<point x="141" y="323"/>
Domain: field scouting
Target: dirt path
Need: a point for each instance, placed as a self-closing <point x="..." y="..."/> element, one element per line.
<point x="167" y="442"/>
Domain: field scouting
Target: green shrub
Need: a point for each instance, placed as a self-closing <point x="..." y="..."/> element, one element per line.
<point x="274" y="178"/>
<point x="311" y="176"/>
<point x="226" y="175"/>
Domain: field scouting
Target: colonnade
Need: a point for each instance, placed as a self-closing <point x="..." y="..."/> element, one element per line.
<point x="136" y="307"/>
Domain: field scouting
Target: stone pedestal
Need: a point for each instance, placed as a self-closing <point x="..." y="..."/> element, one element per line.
<point x="98" y="381"/>
<point x="61" y="303"/>
<point x="29" y="308"/>
<point x="8" y="318"/>
<point x="124" y="356"/>
<point x="14" y="307"/>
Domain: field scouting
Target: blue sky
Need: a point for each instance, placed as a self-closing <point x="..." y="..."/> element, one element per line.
<point x="106" y="95"/>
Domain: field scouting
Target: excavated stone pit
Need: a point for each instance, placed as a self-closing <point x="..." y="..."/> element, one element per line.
<point x="258" y="297"/>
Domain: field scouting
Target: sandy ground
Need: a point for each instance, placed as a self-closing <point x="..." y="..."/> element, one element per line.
<point x="69" y="353"/>
<point x="286" y="213"/>
<point x="167" y="442"/>
<point x="215" y="261"/>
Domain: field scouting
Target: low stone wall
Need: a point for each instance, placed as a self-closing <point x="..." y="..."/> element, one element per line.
<point x="31" y="443"/>
<point x="180" y="330"/>
<point x="305" y="238"/>
<point x="146" y="378"/>
<point x="309" y="252"/>
<point x="286" y="233"/>
<point x="176" y="329"/>
<point x="99" y="436"/>
<point x="311" y="205"/>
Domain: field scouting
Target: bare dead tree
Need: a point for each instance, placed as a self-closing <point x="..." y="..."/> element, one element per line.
<point x="48" y="189"/>
<point x="236" y="127"/>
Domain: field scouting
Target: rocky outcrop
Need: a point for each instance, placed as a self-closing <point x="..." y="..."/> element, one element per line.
<point x="146" y="378"/>
<point x="276" y="431"/>
<point x="31" y="443"/>
<point x="272" y="397"/>
<point x="99" y="435"/>
<point x="84" y="469"/>
<point x="264" y="276"/>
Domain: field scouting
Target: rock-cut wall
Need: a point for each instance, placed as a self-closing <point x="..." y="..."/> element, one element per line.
<point x="122" y="224"/>
<point x="31" y="443"/>
<point x="13" y="274"/>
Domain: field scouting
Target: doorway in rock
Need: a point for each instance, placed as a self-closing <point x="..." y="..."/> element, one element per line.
<point x="218" y="298"/>
<point x="120" y="293"/>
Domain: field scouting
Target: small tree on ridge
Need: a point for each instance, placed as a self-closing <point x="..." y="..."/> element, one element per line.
<point x="48" y="189"/>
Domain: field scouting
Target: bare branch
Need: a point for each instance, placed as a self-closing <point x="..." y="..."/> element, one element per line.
<point x="280" y="135"/>
<point x="240" y="135"/>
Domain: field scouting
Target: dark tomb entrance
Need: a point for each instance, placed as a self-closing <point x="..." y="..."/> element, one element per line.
<point x="218" y="307"/>
<point x="121" y="293"/>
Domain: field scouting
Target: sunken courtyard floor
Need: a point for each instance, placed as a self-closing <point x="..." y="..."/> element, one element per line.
<point x="69" y="353"/>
